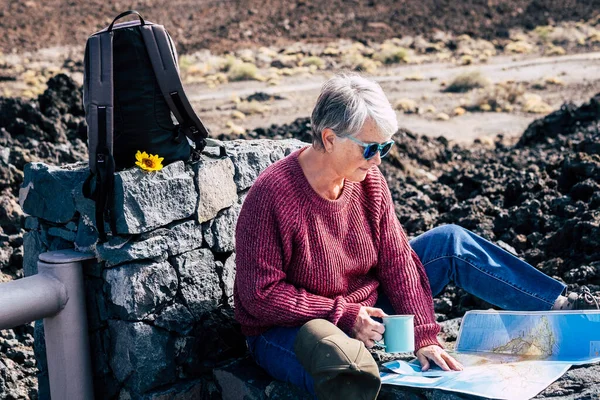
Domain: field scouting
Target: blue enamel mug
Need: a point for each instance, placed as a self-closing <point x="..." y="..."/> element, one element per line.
<point x="399" y="335"/>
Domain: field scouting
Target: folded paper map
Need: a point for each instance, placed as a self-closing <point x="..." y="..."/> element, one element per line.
<point x="509" y="354"/>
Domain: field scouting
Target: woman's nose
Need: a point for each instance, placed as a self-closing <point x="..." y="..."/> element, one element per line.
<point x="376" y="159"/>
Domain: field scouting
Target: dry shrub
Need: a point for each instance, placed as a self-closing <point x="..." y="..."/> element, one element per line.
<point x="407" y="106"/>
<point x="459" y="111"/>
<point x="236" y="114"/>
<point x="185" y="62"/>
<point x="549" y="80"/>
<point x="251" y="107"/>
<point x="466" y="60"/>
<point x="216" y="79"/>
<point x="429" y="109"/>
<point x="594" y="37"/>
<point x="242" y="71"/>
<point x="554" y="51"/>
<point x="414" y="77"/>
<point x="234" y="128"/>
<point x="313" y="60"/>
<point x="554" y="80"/>
<point x="358" y="62"/>
<point x="565" y="34"/>
<point x="389" y="53"/>
<point x="331" y="51"/>
<point x="519" y="47"/>
<point x="467" y="81"/>
<point x="543" y="33"/>
<point x="499" y="97"/>
<point x="533" y="103"/>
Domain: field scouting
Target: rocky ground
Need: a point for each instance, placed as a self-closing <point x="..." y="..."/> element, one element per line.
<point x="534" y="194"/>
<point x="536" y="197"/>
<point x="237" y="24"/>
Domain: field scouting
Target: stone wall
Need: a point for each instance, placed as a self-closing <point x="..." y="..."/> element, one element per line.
<point x="159" y="297"/>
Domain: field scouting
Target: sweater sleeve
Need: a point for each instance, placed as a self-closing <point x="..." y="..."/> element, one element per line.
<point x="260" y="280"/>
<point x="403" y="276"/>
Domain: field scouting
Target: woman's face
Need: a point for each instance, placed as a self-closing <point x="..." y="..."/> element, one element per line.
<point x="347" y="156"/>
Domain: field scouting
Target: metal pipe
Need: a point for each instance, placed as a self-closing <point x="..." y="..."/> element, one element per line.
<point x="27" y="299"/>
<point x="57" y="295"/>
<point x="67" y="341"/>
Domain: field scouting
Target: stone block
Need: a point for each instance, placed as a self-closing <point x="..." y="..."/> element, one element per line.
<point x="147" y="200"/>
<point x="200" y="286"/>
<point x="87" y="234"/>
<point x="115" y="252"/>
<point x="32" y="248"/>
<point x="194" y="390"/>
<point x="176" y="318"/>
<point x="71" y="226"/>
<point x="228" y="277"/>
<point x="183" y="237"/>
<point x="50" y="242"/>
<point x="97" y="313"/>
<point x="251" y="157"/>
<point x="86" y="207"/>
<point x="219" y="232"/>
<point x="173" y="240"/>
<point x="215" y="185"/>
<point x="62" y="233"/>
<point x="135" y="290"/>
<point x="31" y="223"/>
<point x="243" y="379"/>
<point x="99" y="346"/>
<point x="47" y="192"/>
<point x="141" y="356"/>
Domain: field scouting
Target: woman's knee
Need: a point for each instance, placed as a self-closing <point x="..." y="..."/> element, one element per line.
<point x="440" y="241"/>
<point x="450" y="229"/>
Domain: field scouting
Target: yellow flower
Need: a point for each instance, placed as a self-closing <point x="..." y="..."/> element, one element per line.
<point x="148" y="162"/>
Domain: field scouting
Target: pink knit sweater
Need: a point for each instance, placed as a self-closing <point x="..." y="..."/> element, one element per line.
<point x="300" y="256"/>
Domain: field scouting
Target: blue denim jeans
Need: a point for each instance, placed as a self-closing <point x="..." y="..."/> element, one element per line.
<point x="449" y="253"/>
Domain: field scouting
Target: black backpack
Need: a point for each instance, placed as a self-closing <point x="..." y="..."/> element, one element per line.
<point x="131" y="87"/>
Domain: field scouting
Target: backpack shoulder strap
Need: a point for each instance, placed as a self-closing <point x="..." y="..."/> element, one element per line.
<point x="163" y="57"/>
<point x="98" y="103"/>
<point x="98" y="95"/>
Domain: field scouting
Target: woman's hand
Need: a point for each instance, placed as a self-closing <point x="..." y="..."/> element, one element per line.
<point x="366" y="329"/>
<point x="439" y="356"/>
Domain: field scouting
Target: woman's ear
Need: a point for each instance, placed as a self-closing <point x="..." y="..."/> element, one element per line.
<point x="328" y="137"/>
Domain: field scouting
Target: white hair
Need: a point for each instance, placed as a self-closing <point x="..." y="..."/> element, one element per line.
<point x="345" y="102"/>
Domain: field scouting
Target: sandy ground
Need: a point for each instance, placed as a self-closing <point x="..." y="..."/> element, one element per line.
<point x="579" y="72"/>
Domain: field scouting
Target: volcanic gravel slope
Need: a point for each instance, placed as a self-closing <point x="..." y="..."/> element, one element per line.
<point x="222" y="25"/>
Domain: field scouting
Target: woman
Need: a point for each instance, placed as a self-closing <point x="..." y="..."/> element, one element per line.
<point x="318" y="238"/>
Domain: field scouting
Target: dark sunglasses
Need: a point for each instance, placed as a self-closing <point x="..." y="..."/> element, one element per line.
<point x="372" y="148"/>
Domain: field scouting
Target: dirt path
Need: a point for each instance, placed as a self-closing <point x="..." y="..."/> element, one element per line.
<point x="580" y="74"/>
